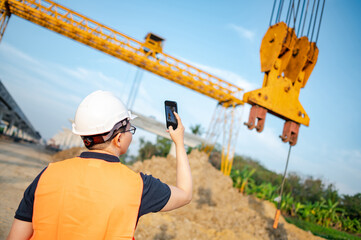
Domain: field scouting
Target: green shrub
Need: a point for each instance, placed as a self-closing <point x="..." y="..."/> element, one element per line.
<point x="320" y="231"/>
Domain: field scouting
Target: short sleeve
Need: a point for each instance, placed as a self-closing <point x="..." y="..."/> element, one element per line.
<point x="25" y="209"/>
<point x="155" y="195"/>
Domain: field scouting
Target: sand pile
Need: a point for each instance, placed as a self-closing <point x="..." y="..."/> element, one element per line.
<point x="68" y="153"/>
<point x="217" y="210"/>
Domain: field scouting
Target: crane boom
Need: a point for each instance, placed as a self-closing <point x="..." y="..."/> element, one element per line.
<point x="145" y="55"/>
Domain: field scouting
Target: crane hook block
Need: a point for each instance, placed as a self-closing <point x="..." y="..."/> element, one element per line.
<point x="257" y="113"/>
<point x="287" y="63"/>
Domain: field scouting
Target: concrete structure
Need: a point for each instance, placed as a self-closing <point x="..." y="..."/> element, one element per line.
<point x="151" y="125"/>
<point x="13" y="121"/>
<point x="66" y="139"/>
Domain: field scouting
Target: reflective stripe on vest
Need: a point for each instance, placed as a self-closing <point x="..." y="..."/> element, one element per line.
<point x="84" y="198"/>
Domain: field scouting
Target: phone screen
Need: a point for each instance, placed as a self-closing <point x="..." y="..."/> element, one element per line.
<point x="170" y="116"/>
<point x="171" y="107"/>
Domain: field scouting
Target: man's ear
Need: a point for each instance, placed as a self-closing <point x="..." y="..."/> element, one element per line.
<point x="117" y="139"/>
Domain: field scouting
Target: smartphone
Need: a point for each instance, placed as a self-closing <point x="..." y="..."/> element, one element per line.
<point x="171" y="120"/>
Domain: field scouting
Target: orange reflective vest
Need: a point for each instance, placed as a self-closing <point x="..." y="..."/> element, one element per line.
<point x="86" y="198"/>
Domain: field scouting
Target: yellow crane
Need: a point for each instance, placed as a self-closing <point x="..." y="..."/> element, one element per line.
<point x="149" y="55"/>
<point x="287" y="61"/>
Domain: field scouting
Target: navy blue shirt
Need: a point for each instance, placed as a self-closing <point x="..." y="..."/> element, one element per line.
<point x="154" y="197"/>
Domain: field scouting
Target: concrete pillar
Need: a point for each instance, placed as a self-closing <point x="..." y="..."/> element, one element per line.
<point x="68" y="135"/>
<point x="17" y="131"/>
<point x="1" y="120"/>
<point x="9" y="127"/>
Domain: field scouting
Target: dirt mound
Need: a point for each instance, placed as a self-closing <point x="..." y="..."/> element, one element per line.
<point x="69" y="153"/>
<point x="217" y="210"/>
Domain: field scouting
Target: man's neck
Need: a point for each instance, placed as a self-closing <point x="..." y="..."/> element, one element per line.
<point x="105" y="151"/>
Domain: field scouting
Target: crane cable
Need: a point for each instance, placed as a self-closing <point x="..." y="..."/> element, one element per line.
<point x="314" y="23"/>
<point x="295" y="14"/>
<point x="273" y="9"/>
<point x="309" y="26"/>
<point x="303" y="8"/>
<point x="279" y="12"/>
<point x="301" y="19"/>
<point x="278" y="211"/>
<point x="304" y="20"/>
<point x="135" y="87"/>
<point x="319" y="25"/>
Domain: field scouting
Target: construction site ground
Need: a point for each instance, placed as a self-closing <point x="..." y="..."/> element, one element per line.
<point x="217" y="211"/>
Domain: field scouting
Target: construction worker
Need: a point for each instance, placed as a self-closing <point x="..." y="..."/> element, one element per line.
<point x="94" y="196"/>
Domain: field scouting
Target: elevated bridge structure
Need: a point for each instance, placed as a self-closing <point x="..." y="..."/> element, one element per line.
<point x="66" y="139"/>
<point x="13" y="121"/>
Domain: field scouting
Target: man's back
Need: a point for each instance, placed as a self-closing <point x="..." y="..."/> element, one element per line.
<point x="86" y="198"/>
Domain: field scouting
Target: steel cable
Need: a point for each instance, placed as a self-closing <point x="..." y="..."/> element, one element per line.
<point x="273" y="9"/>
<point x="284" y="177"/>
<point x="319" y="25"/>
<point x="280" y="7"/>
<point x="314" y="23"/>
<point x="304" y="20"/>
<point x="299" y="25"/>
<point x="295" y="16"/>
<point x="309" y="26"/>
<point x="288" y="12"/>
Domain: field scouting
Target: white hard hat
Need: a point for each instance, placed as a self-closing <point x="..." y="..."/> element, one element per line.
<point x="98" y="113"/>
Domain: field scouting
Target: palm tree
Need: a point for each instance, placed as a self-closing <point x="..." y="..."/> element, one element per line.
<point x="297" y="208"/>
<point x="331" y="215"/>
<point x="307" y="212"/>
<point x="197" y="129"/>
<point x="241" y="178"/>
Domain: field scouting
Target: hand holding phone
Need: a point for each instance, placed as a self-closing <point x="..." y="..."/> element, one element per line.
<point x="171" y="120"/>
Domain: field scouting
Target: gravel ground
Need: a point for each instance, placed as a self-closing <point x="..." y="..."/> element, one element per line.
<point x="20" y="163"/>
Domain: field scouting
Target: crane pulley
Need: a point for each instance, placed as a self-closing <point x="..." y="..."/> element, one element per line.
<point x="287" y="62"/>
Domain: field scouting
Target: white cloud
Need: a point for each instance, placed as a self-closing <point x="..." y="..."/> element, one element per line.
<point x="39" y="85"/>
<point x="13" y="53"/>
<point x="145" y="103"/>
<point x="242" y="32"/>
<point x="225" y="75"/>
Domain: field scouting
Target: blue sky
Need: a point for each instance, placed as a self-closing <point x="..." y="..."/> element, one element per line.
<point x="49" y="74"/>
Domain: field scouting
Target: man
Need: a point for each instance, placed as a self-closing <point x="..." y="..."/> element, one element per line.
<point x="94" y="196"/>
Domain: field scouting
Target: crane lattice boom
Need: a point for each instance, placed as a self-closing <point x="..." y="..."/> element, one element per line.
<point x="147" y="55"/>
<point x="85" y="30"/>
